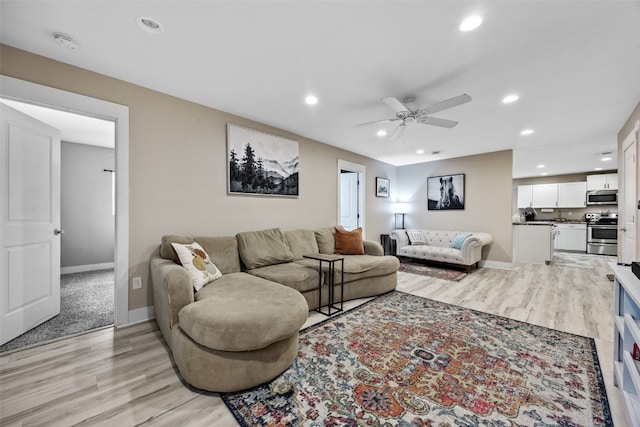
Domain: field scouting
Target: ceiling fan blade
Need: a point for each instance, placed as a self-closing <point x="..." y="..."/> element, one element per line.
<point x="377" y="122"/>
<point x="398" y="132"/>
<point x="434" y="121"/>
<point x="394" y="104"/>
<point x="449" y="103"/>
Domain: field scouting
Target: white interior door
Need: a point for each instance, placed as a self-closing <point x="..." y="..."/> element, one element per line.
<point x="349" y="200"/>
<point x="627" y="234"/>
<point x="29" y="223"/>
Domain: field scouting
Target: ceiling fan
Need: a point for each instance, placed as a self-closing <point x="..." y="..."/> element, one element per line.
<point x="409" y="111"/>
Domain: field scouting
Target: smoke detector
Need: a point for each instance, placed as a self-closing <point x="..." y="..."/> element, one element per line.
<point x="66" y="41"/>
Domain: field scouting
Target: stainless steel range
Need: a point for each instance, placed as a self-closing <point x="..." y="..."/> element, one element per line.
<point x="602" y="233"/>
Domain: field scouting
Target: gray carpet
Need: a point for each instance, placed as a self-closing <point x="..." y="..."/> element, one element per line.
<point x="86" y="302"/>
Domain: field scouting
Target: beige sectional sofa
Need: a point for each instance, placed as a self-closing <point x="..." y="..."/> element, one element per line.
<point x="449" y="247"/>
<point x="241" y="330"/>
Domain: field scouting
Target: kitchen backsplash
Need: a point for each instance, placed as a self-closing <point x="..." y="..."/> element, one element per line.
<point x="573" y="214"/>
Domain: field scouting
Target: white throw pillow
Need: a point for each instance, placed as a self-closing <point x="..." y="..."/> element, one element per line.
<point x="416" y="237"/>
<point x="198" y="264"/>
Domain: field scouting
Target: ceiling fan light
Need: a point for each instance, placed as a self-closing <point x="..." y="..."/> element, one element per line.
<point x="471" y="23"/>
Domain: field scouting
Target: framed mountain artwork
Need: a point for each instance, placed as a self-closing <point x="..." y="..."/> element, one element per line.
<point x="260" y="163"/>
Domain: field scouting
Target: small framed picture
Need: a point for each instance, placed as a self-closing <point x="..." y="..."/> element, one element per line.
<point x="382" y="187"/>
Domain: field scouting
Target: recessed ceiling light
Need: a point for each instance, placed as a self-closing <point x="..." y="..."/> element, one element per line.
<point x="150" y="25"/>
<point x="543" y="174"/>
<point x="381" y="132"/>
<point x="311" y="100"/>
<point x="435" y="152"/>
<point x="420" y="151"/>
<point x="597" y="169"/>
<point x="526" y="132"/>
<point x="540" y="166"/>
<point x="605" y="159"/>
<point x="66" y="41"/>
<point x="471" y="23"/>
<point x="510" y="98"/>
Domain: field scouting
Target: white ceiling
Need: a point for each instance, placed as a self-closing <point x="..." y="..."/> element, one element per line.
<point x="574" y="64"/>
<point x="73" y="127"/>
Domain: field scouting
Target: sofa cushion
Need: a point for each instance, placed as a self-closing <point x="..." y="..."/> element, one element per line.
<point x="301" y="242"/>
<point x="326" y="240"/>
<point x="416" y="237"/>
<point x="358" y="266"/>
<point x="241" y="312"/>
<point x="349" y="242"/>
<point x="293" y="275"/>
<point x="197" y="262"/>
<point x="261" y="248"/>
<point x="223" y="250"/>
<point x="459" y="240"/>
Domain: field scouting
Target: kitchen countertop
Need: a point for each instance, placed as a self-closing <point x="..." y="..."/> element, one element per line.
<point x="535" y="223"/>
<point x="549" y="222"/>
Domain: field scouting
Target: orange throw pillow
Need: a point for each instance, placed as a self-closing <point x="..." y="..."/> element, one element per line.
<point x="349" y="242"/>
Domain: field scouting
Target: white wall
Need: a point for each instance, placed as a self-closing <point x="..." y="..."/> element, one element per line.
<point x="86" y="210"/>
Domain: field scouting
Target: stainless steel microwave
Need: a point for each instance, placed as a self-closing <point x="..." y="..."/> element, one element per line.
<point x="602" y="197"/>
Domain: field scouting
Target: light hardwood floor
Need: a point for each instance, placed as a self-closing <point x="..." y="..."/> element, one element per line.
<point x="125" y="377"/>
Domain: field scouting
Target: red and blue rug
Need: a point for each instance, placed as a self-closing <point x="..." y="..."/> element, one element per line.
<point x="403" y="360"/>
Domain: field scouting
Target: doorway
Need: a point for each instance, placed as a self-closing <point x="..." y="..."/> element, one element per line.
<point x="628" y="231"/>
<point x="87" y="221"/>
<point x="32" y="93"/>
<point x="351" y="206"/>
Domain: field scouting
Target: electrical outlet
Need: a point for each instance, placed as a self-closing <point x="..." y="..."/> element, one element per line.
<point x="137" y="283"/>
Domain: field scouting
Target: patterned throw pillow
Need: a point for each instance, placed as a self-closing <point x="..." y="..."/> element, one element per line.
<point x="416" y="237"/>
<point x="197" y="262"/>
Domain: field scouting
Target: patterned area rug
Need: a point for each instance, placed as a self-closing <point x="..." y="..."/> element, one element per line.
<point x="402" y="360"/>
<point x="416" y="267"/>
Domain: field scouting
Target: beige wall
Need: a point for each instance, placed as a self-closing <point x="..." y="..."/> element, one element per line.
<point x="178" y="167"/>
<point x="487" y="202"/>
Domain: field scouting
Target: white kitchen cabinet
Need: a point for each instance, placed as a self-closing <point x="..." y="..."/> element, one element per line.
<point x="533" y="243"/>
<point x="525" y="196"/>
<point x="605" y="181"/>
<point x="626" y="315"/>
<point x="572" y="194"/>
<point x="544" y="196"/>
<point x="571" y="237"/>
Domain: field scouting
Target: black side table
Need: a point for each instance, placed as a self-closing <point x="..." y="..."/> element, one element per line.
<point x="331" y="261"/>
<point x="388" y="244"/>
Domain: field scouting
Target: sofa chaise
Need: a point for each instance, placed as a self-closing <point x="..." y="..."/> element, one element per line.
<point x="241" y="329"/>
<point x="462" y="248"/>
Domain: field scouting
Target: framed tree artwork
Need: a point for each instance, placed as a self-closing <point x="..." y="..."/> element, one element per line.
<point x="260" y="163"/>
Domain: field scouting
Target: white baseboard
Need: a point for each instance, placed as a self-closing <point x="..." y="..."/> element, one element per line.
<point x="496" y="264"/>
<point x="140" y="315"/>
<point x="88" y="267"/>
